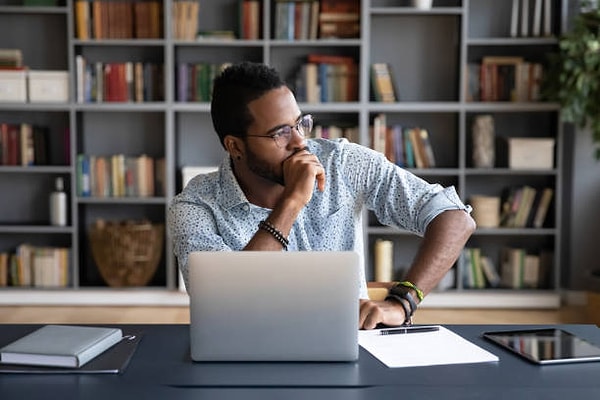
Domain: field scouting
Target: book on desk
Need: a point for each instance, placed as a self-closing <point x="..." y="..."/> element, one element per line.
<point x="70" y="349"/>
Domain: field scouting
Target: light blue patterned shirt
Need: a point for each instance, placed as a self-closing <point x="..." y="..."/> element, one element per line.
<point x="213" y="214"/>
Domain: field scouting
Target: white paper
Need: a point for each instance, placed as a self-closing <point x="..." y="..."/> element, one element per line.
<point x="422" y="349"/>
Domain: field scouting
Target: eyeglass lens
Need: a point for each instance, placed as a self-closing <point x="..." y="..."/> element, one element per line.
<point x="303" y="127"/>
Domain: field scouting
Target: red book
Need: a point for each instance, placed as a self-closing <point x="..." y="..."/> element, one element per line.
<point x="14" y="145"/>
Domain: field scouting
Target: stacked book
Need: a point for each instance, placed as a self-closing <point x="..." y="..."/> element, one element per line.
<point x="37" y="266"/>
<point x="408" y="147"/>
<point x="119" y="176"/>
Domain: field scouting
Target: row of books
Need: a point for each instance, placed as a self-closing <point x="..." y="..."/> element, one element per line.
<point x="500" y="78"/>
<point x="23" y="144"/>
<point x="518" y="269"/>
<point x="37" y="266"/>
<point x="127" y="19"/>
<point x="531" y="18"/>
<point x="119" y="175"/>
<point x="408" y="147"/>
<point x="312" y="19"/>
<point x="525" y="206"/>
<point x="296" y="20"/>
<point x="335" y="132"/>
<point x="325" y="78"/>
<point x="118" y="81"/>
<point x="195" y="80"/>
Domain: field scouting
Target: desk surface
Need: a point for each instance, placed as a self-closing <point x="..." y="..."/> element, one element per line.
<point x="162" y="368"/>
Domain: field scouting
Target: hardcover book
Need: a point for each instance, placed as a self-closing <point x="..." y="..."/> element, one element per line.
<point x="60" y="346"/>
<point x="382" y="83"/>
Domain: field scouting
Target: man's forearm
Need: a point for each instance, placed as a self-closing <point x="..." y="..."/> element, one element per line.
<point x="442" y="243"/>
<point x="282" y="218"/>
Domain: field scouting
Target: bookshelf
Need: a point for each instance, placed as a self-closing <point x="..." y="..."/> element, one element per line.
<point x="429" y="58"/>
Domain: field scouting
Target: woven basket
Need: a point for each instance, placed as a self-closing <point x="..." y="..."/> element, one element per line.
<point x="127" y="253"/>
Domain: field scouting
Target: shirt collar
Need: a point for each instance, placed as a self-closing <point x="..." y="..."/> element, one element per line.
<point x="230" y="192"/>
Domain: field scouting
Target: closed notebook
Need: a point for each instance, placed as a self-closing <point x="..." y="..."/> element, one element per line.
<point x="60" y="346"/>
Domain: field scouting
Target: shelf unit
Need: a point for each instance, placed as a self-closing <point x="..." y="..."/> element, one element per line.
<point x="428" y="51"/>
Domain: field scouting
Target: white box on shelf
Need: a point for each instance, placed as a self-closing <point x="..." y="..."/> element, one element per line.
<point x="49" y="86"/>
<point x="531" y="153"/>
<point x="13" y="86"/>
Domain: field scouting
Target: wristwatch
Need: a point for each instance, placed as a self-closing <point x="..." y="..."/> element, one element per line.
<point x="401" y="294"/>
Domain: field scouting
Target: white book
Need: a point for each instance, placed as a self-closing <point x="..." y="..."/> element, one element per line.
<point x="514" y="21"/>
<point x="547" y="18"/>
<point x="60" y="346"/>
<point x="537" y="19"/>
<point x="524" y="18"/>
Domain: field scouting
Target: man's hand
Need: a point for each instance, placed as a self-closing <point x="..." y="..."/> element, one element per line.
<point x="300" y="171"/>
<point x="372" y="313"/>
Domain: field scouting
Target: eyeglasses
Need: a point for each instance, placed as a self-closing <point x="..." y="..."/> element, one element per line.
<point x="283" y="134"/>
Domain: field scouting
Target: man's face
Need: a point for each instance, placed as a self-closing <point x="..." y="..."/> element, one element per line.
<point x="264" y="156"/>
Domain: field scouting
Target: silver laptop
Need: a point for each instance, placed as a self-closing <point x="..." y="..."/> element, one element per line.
<point x="274" y="306"/>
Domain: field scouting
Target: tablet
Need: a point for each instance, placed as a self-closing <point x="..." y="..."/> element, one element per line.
<point x="546" y="346"/>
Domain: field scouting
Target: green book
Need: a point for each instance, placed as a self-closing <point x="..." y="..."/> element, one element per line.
<point x="45" y="3"/>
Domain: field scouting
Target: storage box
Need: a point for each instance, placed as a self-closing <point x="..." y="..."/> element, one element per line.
<point x="531" y="153"/>
<point x="13" y="86"/>
<point x="49" y="86"/>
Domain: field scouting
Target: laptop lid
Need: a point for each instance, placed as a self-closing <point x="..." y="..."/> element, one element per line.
<point x="274" y="306"/>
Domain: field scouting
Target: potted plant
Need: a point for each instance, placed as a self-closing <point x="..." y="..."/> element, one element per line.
<point x="573" y="75"/>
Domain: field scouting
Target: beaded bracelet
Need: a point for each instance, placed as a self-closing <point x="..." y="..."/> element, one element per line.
<point x="268" y="227"/>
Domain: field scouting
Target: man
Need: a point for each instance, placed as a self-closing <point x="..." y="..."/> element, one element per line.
<point x="278" y="190"/>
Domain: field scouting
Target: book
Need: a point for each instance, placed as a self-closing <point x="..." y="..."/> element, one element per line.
<point x="113" y="361"/>
<point x="339" y="19"/>
<point x="537" y="18"/>
<point x="476" y="268"/>
<point x="82" y="19"/>
<point x="547" y="24"/>
<point x="60" y="346"/>
<point x="427" y="148"/>
<point x="490" y="271"/>
<point x="512" y="268"/>
<point x="542" y="208"/>
<point x="514" y="21"/>
<point x="531" y="271"/>
<point x="524" y="18"/>
<point x="383" y="83"/>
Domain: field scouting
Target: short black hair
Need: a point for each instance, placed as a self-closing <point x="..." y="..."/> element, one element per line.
<point x="233" y="89"/>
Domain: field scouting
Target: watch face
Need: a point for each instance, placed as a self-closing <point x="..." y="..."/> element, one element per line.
<point x="399" y="290"/>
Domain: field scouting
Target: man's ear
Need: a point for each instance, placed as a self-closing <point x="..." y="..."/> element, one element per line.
<point x="234" y="146"/>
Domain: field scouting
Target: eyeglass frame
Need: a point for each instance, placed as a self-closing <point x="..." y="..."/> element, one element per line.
<point x="280" y="131"/>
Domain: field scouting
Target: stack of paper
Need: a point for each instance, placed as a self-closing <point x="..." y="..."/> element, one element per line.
<point x="417" y="349"/>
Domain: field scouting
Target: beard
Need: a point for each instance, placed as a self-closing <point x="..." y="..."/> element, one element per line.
<point x="260" y="167"/>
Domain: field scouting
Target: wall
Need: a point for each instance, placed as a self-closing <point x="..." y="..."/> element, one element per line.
<point x="582" y="200"/>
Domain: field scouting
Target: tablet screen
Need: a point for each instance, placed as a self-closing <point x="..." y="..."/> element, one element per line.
<point x="546" y="346"/>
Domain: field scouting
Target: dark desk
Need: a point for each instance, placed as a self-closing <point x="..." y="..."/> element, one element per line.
<point x="161" y="368"/>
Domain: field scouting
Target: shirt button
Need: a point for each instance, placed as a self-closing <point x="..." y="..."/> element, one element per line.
<point x="246" y="208"/>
